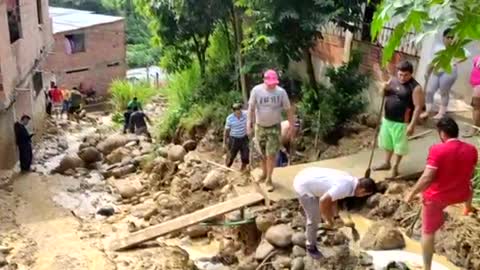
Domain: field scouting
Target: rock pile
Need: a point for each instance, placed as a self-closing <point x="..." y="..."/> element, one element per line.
<point x="283" y="240"/>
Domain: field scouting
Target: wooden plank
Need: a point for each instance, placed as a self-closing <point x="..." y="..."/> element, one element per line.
<point x="185" y="221"/>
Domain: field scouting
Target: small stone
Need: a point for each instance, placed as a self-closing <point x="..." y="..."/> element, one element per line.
<point x="373" y="200"/>
<point x="299" y="239"/>
<point x="189" y="145"/>
<point x="127" y="191"/>
<point x="297" y="264"/>
<point x="122" y="171"/>
<point x="281" y="262"/>
<point x="263" y="249"/>
<point x="247" y="265"/>
<point x="264" y="222"/>
<point x="176" y="153"/>
<point x="197" y="231"/>
<point x="106" y="211"/>
<point x="5" y="250"/>
<point x="163" y="152"/>
<point x="213" y="179"/>
<point x="279" y="235"/>
<point x="3" y="260"/>
<point x="298" y="251"/>
<point x="365" y="259"/>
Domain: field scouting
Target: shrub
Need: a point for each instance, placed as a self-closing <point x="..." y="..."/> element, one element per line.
<point x="347" y="89"/>
<point x="180" y="93"/>
<point x="123" y="91"/>
<point x="330" y="106"/>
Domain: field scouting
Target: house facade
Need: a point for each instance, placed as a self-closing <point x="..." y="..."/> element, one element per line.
<point x="25" y="40"/>
<point x="89" y="49"/>
<point x="337" y="45"/>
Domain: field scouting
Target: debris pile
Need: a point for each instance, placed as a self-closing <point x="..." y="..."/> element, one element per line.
<point x="457" y="240"/>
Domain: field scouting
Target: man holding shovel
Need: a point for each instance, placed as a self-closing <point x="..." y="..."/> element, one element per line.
<point x="446" y="180"/>
<point x="265" y="107"/>
<point x="404" y="100"/>
<point x="318" y="190"/>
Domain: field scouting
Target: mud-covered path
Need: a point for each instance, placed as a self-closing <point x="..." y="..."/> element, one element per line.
<point x="54" y="229"/>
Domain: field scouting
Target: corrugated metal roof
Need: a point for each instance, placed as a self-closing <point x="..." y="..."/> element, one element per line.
<point x="66" y="19"/>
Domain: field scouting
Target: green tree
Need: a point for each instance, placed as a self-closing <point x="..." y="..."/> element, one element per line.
<point x="428" y="17"/>
<point x="186" y="25"/>
<point x="290" y="28"/>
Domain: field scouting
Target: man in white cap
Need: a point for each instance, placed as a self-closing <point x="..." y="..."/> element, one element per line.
<point x="265" y="107"/>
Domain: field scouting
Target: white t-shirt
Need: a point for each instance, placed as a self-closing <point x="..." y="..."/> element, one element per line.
<point x="268" y="105"/>
<point x="316" y="181"/>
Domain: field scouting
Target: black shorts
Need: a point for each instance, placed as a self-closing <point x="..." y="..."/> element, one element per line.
<point x="73" y="109"/>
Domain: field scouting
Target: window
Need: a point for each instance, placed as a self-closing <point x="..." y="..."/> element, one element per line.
<point x="14" y="21"/>
<point x="74" y="43"/>
<point x="37" y="82"/>
<point x="39" y="12"/>
<point x="114" y="64"/>
<point x="76" y="70"/>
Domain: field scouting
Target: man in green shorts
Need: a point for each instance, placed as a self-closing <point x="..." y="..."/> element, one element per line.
<point x="265" y="107"/>
<point x="404" y="100"/>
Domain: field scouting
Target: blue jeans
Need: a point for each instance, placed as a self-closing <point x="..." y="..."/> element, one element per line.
<point x="282" y="159"/>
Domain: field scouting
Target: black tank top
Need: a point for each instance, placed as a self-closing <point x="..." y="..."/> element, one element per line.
<point x="399" y="100"/>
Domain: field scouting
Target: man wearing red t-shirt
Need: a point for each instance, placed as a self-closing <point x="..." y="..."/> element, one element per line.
<point x="57" y="99"/>
<point x="446" y="180"/>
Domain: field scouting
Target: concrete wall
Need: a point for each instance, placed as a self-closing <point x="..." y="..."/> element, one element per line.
<point x="105" y="44"/>
<point x="17" y="62"/>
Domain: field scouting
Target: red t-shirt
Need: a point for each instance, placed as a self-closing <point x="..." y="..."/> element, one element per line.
<point x="455" y="163"/>
<point x="57" y="95"/>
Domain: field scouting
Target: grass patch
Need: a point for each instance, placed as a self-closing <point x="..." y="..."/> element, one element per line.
<point x="123" y="91"/>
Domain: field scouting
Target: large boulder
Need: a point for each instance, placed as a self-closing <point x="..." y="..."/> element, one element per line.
<point x="382" y="236"/>
<point x="117" y="155"/>
<point x="122" y="171"/>
<point x="90" y="155"/>
<point x="176" y="153"/>
<point x="213" y="179"/>
<point x="113" y="142"/>
<point x="279" y="235"/>
<point x="127" y="191"/>
<point x="299" y="239"/>
<point x="69" y="162"/>
<point x="263" y="250"/>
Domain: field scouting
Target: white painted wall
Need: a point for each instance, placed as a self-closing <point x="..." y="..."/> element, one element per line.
<point x="461" y="89"/>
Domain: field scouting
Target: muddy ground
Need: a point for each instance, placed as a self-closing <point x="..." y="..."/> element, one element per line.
<point x="93" y="185"/>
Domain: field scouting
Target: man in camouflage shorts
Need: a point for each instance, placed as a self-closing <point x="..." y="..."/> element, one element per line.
<point x="265" y="107"/>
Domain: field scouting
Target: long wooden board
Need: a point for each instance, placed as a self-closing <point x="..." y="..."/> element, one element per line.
<point x="185" y="221"/>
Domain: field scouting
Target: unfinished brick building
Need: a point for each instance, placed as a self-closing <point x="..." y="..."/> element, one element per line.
<point x="89" y="50"/>
<point x="25" y="39"/>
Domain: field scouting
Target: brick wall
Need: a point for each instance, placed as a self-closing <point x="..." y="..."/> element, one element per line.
<point x="330" y="49"/>
<point x="104" y="45"/>
<point x="17" y="62"/>
<point x="372" y="59"/>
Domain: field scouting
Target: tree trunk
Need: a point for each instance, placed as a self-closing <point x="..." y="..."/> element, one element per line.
<point x="310" y="69"/>
<point x="238" y="33"/>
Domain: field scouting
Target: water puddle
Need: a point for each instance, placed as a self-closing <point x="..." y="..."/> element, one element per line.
<point x="411" y="255"/>
<point x="200" y="251"/>
<point x="82" y="195"/>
